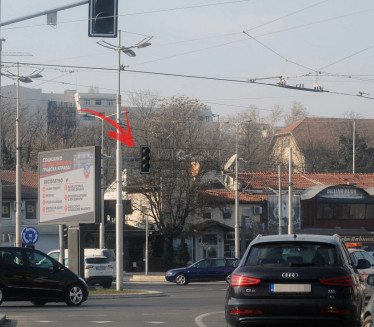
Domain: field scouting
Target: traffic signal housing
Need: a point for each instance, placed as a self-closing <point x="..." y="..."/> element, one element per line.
<point x="103" y="18"/>
<point x="145" y="159"/>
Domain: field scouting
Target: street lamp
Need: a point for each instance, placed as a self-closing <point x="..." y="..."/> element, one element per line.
<point x="24" y="79"/>
<point x="119" y="206"/>
<point x="237" y="226"/>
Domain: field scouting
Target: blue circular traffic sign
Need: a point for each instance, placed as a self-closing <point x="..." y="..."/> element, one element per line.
<point x="30" y="235"/>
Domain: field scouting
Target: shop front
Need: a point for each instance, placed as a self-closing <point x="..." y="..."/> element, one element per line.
<point x="346" y="210"/>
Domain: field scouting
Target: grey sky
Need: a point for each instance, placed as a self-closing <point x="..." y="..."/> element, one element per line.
<point x="293" y="39"/>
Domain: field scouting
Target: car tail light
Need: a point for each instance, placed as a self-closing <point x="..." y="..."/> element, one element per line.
<point x="239" y="280"/>
<point x="88" y="267"/>
<point x="245" y="311"/>
<point x="335" y="311"/>
<point x="337" y="281"/>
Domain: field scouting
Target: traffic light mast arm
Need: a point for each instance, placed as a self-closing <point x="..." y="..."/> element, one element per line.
<point x="42" y="13"/>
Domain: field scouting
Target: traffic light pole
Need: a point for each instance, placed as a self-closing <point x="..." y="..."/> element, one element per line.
<point x="61" y="243"/>
<point x="119" y="205"/>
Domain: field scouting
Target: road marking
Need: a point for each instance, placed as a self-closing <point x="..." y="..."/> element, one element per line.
<point x="45" y="321"/>
<point x="199" y="319"/>
<point x="156" y="322"/>
<point x="101" y="322"/>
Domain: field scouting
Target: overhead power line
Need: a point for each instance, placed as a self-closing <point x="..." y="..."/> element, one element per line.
<point x="281" y="83"/>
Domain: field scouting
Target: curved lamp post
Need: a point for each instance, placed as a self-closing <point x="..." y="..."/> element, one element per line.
<point x="119" y="206"/>
<point x="25" y="79"/>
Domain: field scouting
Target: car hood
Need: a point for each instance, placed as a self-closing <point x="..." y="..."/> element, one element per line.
<point x="176" y="270"/>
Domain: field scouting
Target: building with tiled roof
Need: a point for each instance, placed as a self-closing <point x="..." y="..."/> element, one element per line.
<point x="29" y="210"/>
<point x="314" y="141"/>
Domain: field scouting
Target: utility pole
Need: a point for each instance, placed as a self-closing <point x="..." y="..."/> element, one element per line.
<point x="280" y="200"/>
<point x="354" y="148"/>
<point x="290" y="226"/>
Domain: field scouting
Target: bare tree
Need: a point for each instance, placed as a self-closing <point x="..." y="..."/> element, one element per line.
<point x="298" y="112"/>
<point x="182" y="156"/>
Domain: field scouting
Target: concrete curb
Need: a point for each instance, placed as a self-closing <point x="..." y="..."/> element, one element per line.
<point x="143" y="278"/>
<point x="131" y="295"/>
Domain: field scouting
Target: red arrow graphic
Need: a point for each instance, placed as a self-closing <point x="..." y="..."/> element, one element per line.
<point x="122" y="135"/>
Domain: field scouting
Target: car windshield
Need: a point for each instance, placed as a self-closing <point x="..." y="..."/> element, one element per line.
<point x="293" y="254"/>
<point x="97" y="260"/>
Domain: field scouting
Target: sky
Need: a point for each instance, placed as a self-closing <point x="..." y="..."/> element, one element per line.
<point x="309" y="42"/>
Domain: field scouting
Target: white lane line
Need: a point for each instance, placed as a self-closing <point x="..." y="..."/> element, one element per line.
<point x="199" y="319"/>
<point x="45" y="321"/>
<point x="155" y="322"/>
<point x="101" y="322"/>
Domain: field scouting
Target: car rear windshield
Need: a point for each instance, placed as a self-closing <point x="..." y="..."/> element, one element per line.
<point x="293" y="253"/>
<point x="97" y="260"/>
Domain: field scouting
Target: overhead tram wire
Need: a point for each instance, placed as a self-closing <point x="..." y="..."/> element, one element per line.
<point x="296" y="88"/>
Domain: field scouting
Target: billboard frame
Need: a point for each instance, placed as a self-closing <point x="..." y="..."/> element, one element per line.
<point x="60" y="183"/>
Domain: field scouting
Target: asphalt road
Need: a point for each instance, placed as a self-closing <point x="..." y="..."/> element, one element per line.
<point x="196" y="304"/>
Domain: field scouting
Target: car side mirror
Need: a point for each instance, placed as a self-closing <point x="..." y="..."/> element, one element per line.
<point x="363" y="264"/>
<point x="370" y="280"/>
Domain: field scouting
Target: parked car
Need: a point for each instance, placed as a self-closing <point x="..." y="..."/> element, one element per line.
<point x="357" y="254"/>
<point x="109" y="253"/>
<point x="30" y="275"/>
<point x="213" y="269"/>
<point x="368" y="313"/>
<point x="296" y="279"/>
<point x="98" y="270"/>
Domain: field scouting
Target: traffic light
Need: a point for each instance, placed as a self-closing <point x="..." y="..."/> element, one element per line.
<point x="103" y="18"/>
<point x="145" y="159"/>
<point x="65" y="232"/>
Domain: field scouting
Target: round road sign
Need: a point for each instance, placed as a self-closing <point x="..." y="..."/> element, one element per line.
<point x="30" y="235"/>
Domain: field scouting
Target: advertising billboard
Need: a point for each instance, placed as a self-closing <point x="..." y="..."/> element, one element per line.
<point x="69" y="186"/>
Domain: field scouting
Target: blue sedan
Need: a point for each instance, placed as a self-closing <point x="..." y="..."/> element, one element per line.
<point x="203" y="270"/>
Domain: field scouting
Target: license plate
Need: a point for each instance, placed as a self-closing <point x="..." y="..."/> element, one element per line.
<point x="290" y="288"/>
<point x="100" y="268"/>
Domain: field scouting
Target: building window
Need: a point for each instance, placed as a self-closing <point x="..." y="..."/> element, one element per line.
<point x="332" y="211"/>
<point x="98" y="102"/>
<point x="6" y="209"/>
<point x="86" y="102"/>
<point x="227" y="213"/>
<point x="247" y="212"/>
<point x="110" y="103"/>
<point x="30" y="209"/>
<point x="210" y="239"/>
<point x="88" y="117"/>
<point x="207" y="213"/>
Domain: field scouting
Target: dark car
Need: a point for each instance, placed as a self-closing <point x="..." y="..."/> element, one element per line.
<point x="214" y="269"/>
<point x="368" y="313"/>
<point x="30" y="275"/>
<point x="296" y="280"/>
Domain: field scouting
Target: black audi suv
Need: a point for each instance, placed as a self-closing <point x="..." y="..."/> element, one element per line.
<point x="296" y="280"/>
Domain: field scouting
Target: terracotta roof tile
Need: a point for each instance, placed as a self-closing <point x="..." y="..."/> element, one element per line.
<point x="29" y="184"/>
<point x="327" y="130"/>
<point x="223" y="195"/>
<point x="302" y="181"/>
